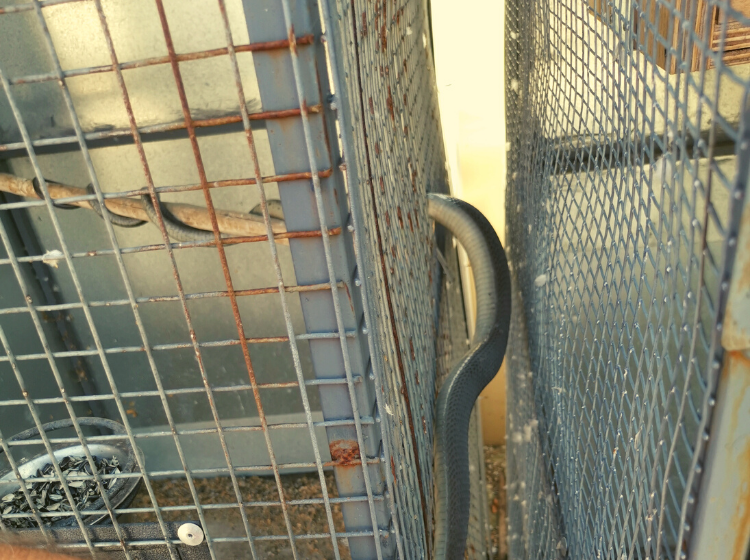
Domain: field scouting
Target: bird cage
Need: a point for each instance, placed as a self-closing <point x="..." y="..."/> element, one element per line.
<point x="628" y="153"/>
<point x="222" y="310"/>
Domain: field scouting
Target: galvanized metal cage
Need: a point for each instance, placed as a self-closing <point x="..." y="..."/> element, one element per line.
<point x="270" y="377"/>
<point x="628" y="131"/>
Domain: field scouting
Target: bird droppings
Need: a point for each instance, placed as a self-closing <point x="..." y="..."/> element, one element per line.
<point x="51" y="258"/>
<point x="540" y="280"/>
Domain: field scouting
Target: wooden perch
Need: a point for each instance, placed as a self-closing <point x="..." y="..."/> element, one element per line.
<point x="230" y="223"/>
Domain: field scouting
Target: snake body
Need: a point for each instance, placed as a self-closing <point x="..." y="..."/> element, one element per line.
<point x="472" y="374"/>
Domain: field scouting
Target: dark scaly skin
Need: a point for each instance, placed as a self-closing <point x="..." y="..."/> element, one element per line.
<point x="115" y="219"/>
<point x="456" y="401"/>
<point x="175" y="228"/>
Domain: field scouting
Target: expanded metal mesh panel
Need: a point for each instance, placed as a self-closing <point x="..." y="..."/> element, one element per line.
<point x="624" y="127"/>
<point x="275" y="314"/>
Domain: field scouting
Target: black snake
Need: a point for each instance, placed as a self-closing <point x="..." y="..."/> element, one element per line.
<point x="472" y="374"/>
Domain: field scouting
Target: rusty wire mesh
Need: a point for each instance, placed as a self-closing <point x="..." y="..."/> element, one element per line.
<point x="302" y="350"/>
<point x="624" y="130"/>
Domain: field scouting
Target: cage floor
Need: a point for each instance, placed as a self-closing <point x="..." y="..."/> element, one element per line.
<point x="494" y="465"/>
<point x="264" y="520"/>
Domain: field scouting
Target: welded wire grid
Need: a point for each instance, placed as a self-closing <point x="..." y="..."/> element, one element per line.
<point x="623" y="128"/>
<point x="393" y="150"/>
<point x="71" y="259"/>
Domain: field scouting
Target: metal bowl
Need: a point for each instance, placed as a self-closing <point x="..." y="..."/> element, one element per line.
<point x="120" y="493"/>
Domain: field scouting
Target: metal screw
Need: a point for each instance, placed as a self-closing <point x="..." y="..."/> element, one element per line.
<point x="190" y="534"/>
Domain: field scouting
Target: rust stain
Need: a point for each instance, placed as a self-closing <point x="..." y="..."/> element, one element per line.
<point x="393" y="251"/>
<point x="411" y="224"/>
<point x="405" y="102"/>
<point x="411" y="350"/>
<point x="383" y="38"/>
<point x="292" y="40"/>
<point x="364" y="25"/>
<point x="389" y="301"/>
<point x="400" y="217"/>
<point x="372" y="107"/>
<point x="387" y="219"/>
<point x="377" y="148"/>
<point x="406" y="130"/>
<point x="393" y="468"/>
<point x="738" y="364"/>
<point x="382" y="186"/>
<point x="735" y="336"/>
<point x="344" y="452"/>
<point x="404" y="68"/>
<point x="741" y="517"/>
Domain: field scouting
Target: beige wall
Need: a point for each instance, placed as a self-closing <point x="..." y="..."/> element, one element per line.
<point x="468" y="43"/>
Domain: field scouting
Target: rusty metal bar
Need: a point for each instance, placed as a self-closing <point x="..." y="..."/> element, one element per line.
<point x="155" y="299"/>
<point x="173" y="189"/>
<point x="150" y="133"/>
<point x="182" y="245"/>
<point x="357" y="448"/>
<point x="232" y="298"/>
<point x="277" y="270"/>
<point x="180" y="345"/>
<point x="197" y="55"/>
<point x="169" y="392"/>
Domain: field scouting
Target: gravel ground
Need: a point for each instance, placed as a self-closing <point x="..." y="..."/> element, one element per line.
<point x="264" y="518"/>
<point x="494" y="461"/>
<point x="268" y="519"/>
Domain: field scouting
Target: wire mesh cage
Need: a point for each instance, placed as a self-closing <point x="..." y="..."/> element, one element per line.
<point x="222" y="318"/>
<point x="628" y="135"/>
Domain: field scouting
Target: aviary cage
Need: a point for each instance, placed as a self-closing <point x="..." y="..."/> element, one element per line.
<point x="628" y="233"/>
<point x="246" y="344"/>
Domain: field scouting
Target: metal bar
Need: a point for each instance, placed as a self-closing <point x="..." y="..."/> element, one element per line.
<point x="201" y="431"/>
<point x="26" y="494"/>
<point x="228" y="280"/>
<point x="174" y="346"/>
<point x="79" y="370"/>
<point x="63" y="245"/>
<point x="155" y="299"/>
<point x="182" y="245"/>
<point x="721" y="526"/>
<point x="282" y="292"/>
<point x="187" y="391"/>
<point x="37" y="324"/>
<point x="329" y="262"/>
<point x="188" y="508"/>
<point x="225" y="124"/>
<point x="359" y="250"/>
<point x="27" y="7"/>
<point x="171" y="189"/>
<point x="342" y="536"/>
<point x="184" y="57"/>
